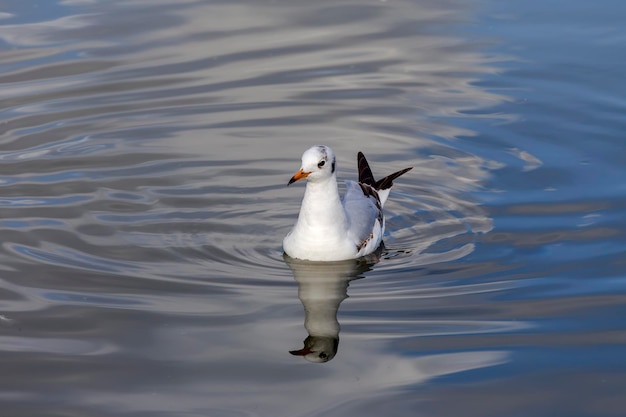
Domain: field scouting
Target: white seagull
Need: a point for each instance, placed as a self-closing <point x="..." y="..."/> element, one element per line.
<point x="329" y="229"/>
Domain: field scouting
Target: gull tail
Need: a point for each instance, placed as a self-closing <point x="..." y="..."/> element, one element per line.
<point x="383" y="186"/>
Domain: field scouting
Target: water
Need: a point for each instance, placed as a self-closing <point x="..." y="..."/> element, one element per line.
<point x="145" y="151"/>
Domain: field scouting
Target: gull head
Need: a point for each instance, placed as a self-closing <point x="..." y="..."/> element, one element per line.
<point x="318" y="163"/>
<point x="318" y="349"/>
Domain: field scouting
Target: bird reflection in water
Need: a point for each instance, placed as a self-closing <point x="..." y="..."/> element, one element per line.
<point x="322" y="286"/>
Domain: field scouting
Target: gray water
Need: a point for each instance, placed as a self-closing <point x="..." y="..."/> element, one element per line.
<point x="145" y="150"/>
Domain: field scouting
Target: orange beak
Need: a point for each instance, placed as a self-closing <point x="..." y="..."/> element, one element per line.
<point x="298" y="176"/>
<point x="302" y="352"/>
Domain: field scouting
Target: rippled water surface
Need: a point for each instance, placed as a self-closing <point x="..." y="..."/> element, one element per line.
<point x="145" y="149"/>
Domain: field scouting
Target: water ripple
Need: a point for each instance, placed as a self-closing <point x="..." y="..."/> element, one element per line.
<point x="63" y="256"/>
<point x="163" y="154"/>
<point x="145" y="149"/>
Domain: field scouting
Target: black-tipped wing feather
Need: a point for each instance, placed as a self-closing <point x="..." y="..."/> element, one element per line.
<point x="366" y="176"/>
<point x="365" y="173"/>
<point x="387" y="182"/>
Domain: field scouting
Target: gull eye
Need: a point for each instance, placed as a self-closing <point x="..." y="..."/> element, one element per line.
<point x="321" y="164"/>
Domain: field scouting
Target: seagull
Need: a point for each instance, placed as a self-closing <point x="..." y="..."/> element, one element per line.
<point x="332" y="229"/>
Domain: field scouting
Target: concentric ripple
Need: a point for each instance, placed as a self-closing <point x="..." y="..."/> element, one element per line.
<point x="132" y="156"/>
<point x="145" y="149"/>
